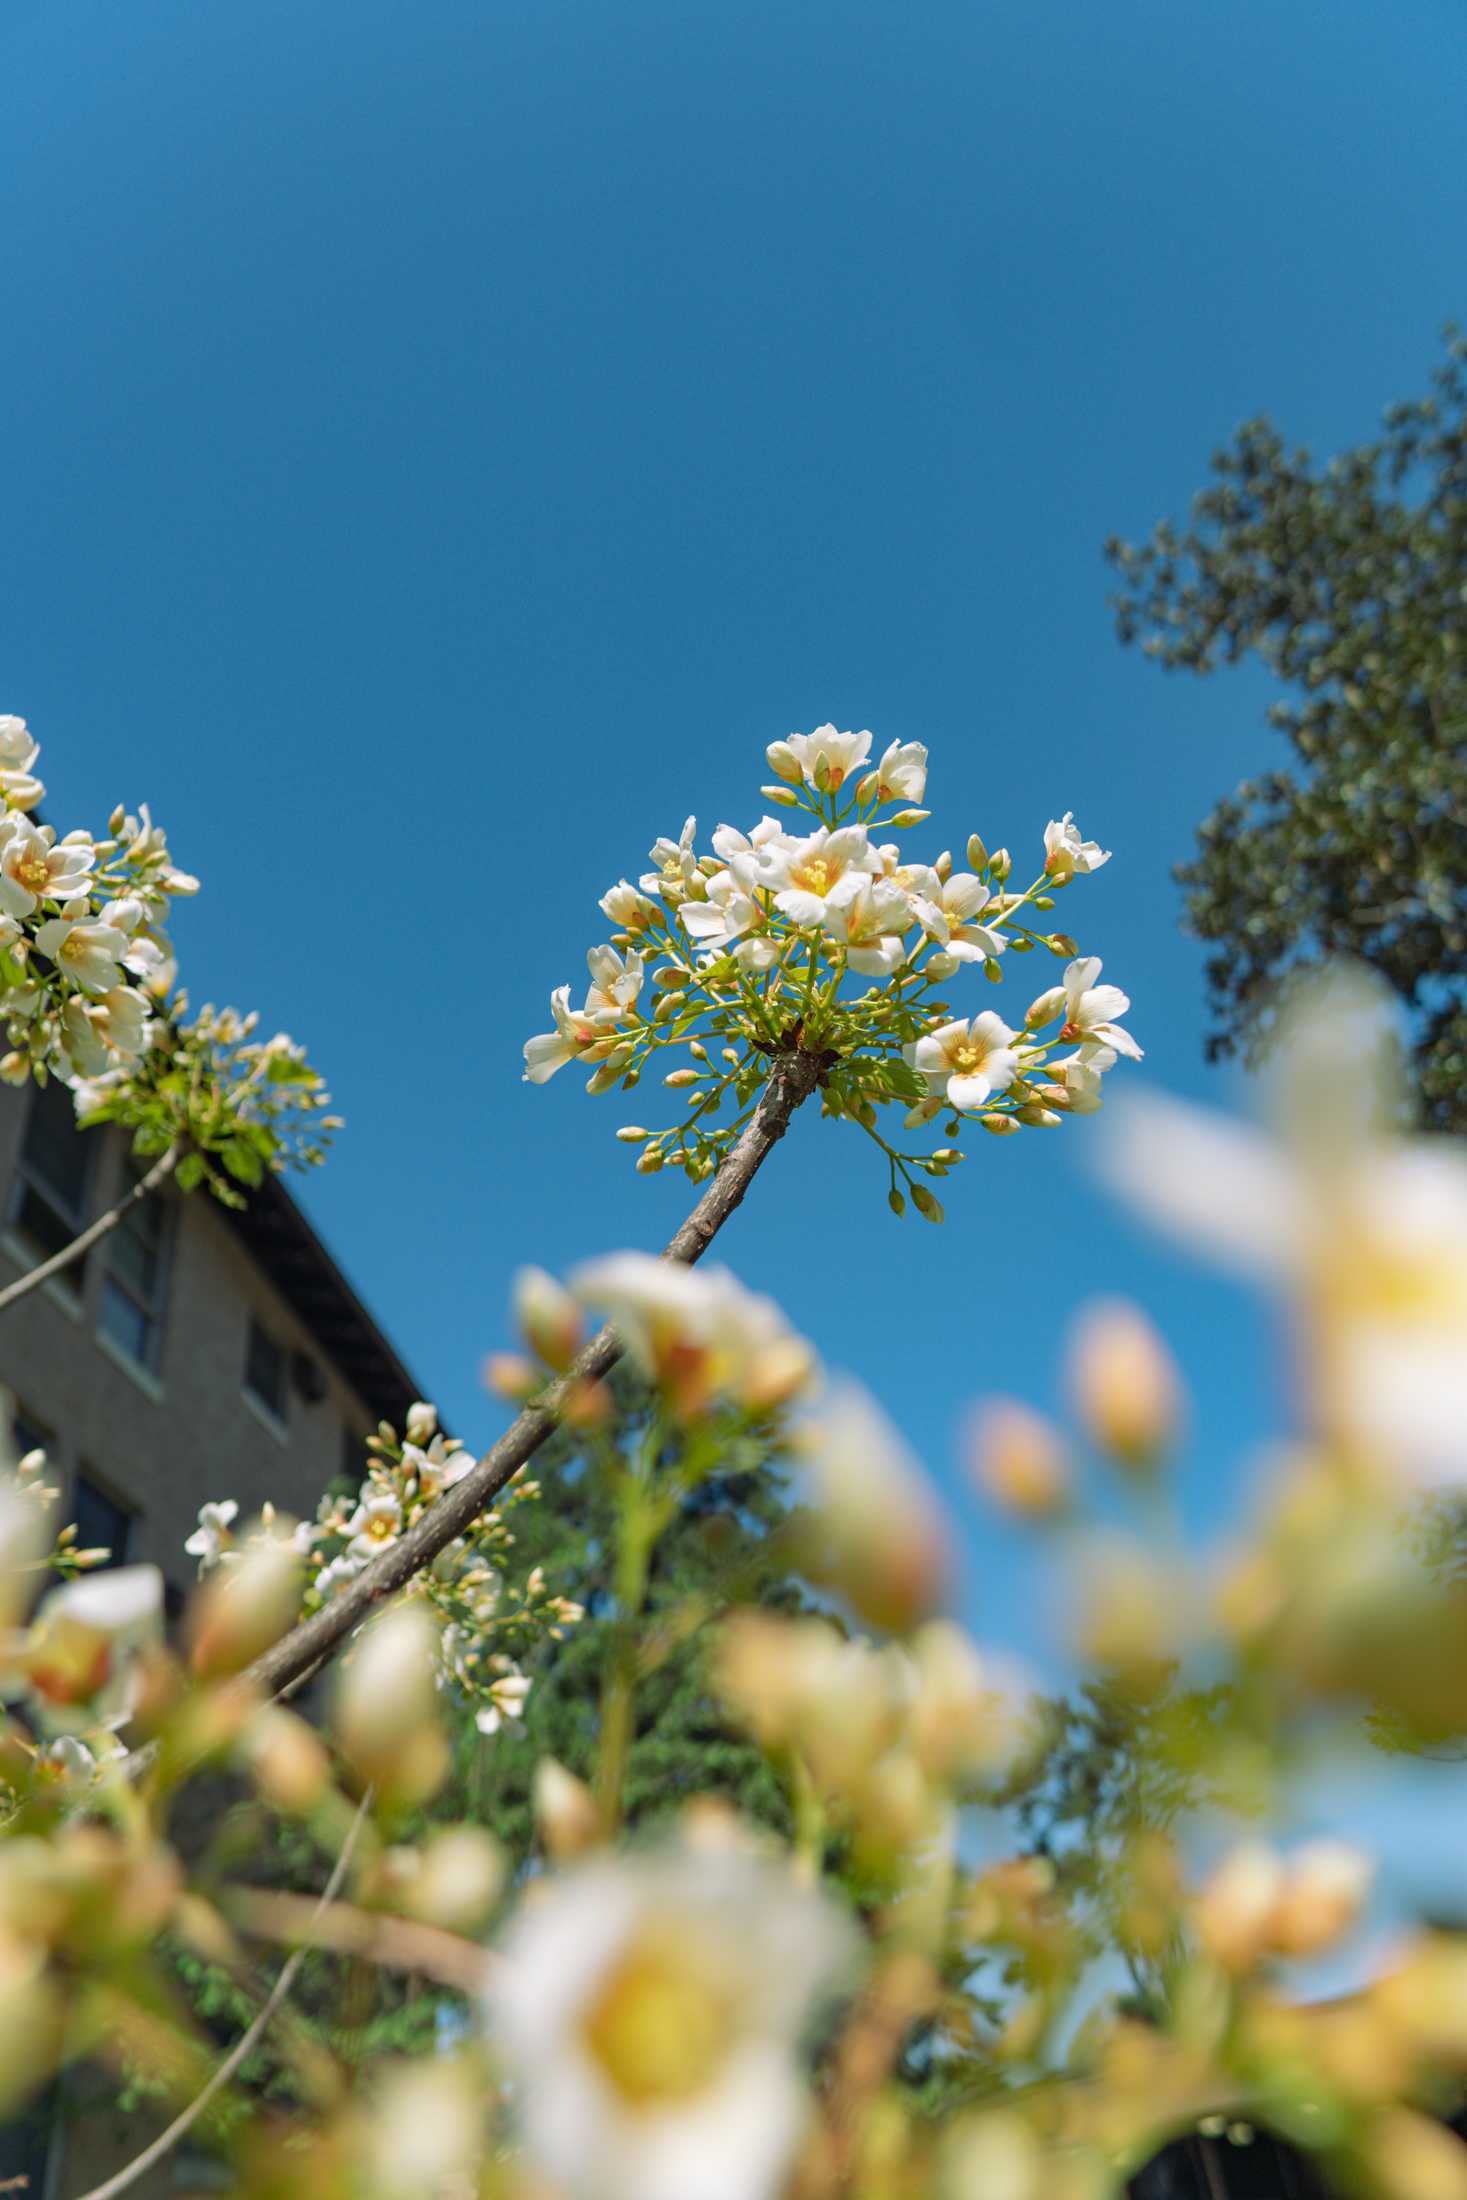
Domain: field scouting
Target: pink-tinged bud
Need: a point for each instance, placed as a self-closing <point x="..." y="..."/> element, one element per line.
<point x="1045" y="1007"/>
<point x="1125" y="1384"/>
<point x="999" y="1126"/>
<point x="290" y="1766"/>
<point x="566" y="1815"/>
<point x="784" y="763"/>
<point x="1018" y="1459"/>
<point x="549" y="1318"/>
<point x="878" y="1536"/>
<point x="1324" y="1894"/>
<point x="510" y="1375"/>
<point x="243" y="1608"/>
<point x="1236" y="1909"/>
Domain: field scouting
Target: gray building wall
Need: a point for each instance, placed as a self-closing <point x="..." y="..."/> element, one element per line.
<point x="161" y="1440"/>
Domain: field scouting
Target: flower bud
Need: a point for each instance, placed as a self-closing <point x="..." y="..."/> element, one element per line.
<point x="941" y="965"/>
<point x="782" y="796"/>
<point x="977" y="853"/>
<point x="914" y="817"/>
<point x="632" y="1134"/>
<point x="290" y="1767"/>
<point x="1325" y="1891"/>
<point x="603" y="1078"/>
<point x="510" y="1375"/>
<point x="944" y="865"/>
<point x="239" y="1612"/>
<point x="567" y="1818"/>
<point x="681" y="1077"/>
<point x="1001" y="863"/>
<point x="422" y="1422"/>
<point x="1125" y="1384"/>
<point x="878" y="1536"/>
<point x="1235" y="1910"/>
<point x="869" y="788"/>
<point x="650" y="1162"/>
<point x="1044" y="1007"/>
<point x="549" y="1318"/>
<point x="925" y="1203"/>
<point x="1018" y="1458"/>
<point x="1061" y="944"/>
<point x="386" y="1706"/>
<point x="896" y="1202"/>
<point x="458" y="1880"/>
<point x="783" y="762"/>
<point x="1002" y="1126"/>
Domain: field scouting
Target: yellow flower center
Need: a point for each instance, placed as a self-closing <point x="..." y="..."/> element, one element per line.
<point x="657" y="2029"/>
<point x="969" y="1055"/>
<point x="32" y="871"/>
<point x="815" y="875"/>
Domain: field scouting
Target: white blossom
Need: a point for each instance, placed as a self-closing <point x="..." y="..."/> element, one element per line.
<point x="1065" y="852"/>
<point x="89" y="953"/>
<point x="972" y="1060"/>
<point x="902" y="772"/>
<point x="212" y="1537"/>
<point x="1091" y="1010"/>
<point x="651" y="2010"/>
<point x="675" y="861"/>
<point x="826" y="758"/>
<point x="35" y="867"/>
<point x="950" y="915"/>
<point x="822" y="872"/>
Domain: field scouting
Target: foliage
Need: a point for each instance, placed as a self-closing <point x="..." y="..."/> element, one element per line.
<point x="1348" y="584"/>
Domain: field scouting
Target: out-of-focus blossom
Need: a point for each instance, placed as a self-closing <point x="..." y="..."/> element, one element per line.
<point x="214" y="1534"/>
<point x="696" y="1332"/>
<point x="77" y="1665"/>
<point x="1124" y="1383"/>
<point x="877" y="1534"/>
<point x="1018" y="1458"/>
<point x="650" y="2011"/>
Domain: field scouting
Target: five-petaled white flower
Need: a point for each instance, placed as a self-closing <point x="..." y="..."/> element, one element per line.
<point x="577" y="1034"/>
<point x="35" y="867"/>
<point x="901" y="776"/>
<point x="213" y="1535"/>
<point x="626" y="906"/>
<point x="950" y="915"/>
<point x="1090" y="1013"/>
<point x="822" y="872"/>
<point x="825" y="758"/>
<point x="1065" y="852"/>
<point x="675" y="861"/>
<point x="375" y="1523"/>
<point x="90" y="954"/>
<point x="972" y="1060"/>
<point x="872" y="923"/>
<point x="616" y="981"/>
<point x="651" y="2009"/>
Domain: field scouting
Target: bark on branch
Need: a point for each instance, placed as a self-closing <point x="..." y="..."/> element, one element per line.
<point x="162" y="1168"/>
<point x="794" y="1076"/>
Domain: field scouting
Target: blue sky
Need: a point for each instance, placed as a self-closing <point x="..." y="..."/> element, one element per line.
<point x="444" y="444"/>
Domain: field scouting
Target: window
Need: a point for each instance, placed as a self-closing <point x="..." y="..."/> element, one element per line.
<point x="101" y="1522"/>
<point x="135" y="1289"/>
<point x="29" y="1434"/>
<point x="48" y="1205"/>
<point x="264" y="1373"/>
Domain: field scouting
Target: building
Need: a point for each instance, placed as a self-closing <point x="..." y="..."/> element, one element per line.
<point x="196" y="1352"/>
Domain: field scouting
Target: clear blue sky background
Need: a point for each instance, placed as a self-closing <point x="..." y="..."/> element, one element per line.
<point x="444" y="443"/>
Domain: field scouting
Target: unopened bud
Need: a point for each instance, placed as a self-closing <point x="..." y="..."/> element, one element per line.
<point x="239" y="1612"/>
<point x="566" y="1816"/>
<point x="587" y="1404"/>
<point x="784" y="763"/>
<point x="877" y="1534"/>
<point x="603" y="1077"/>
<point x="1061" y="944"/>
<point x="649" y="1162"/>
<point x="1044" y="1007"/>
<point x="632" y="1134"/>
<point x="948" y="1157"/>
<point x="458" y="1880"/>
<point x="1018" y="1459"/>
<point x="681" y="1077"/>
<point x="422" y="1422"/>
<point x="1001" y="863"/>
<point x="1235" y="1910"/>
<point x="1001" y="1126"/>
<point x="977" y="853"/>
<point x="896" y="1202"/>
<point x="1037" y="1117"/>
<point x="869" y="788"/>
<point x="289" y="1764"/>
<point x="385" y="1715"/>
<point x="1021" y="944"/>
<point x="549" y="1318"/>
<point x="926" y="1204"/>
<point x="510" y="1375"/>
<point x="944" y="865"/>
<point x="784" y="797"/>
<point x="941" y="965"/>
<point x="1125" y="1384"/>
<point x="915" y="817"/>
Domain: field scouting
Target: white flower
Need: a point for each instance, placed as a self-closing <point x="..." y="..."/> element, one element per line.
<point x="616" y="981"/>
<point x="77" y="1664"/>
<point x="651" y="2010"/>
<point x="212" y="1537"/>
<point x="438" y="1464"/>
<point x="577" y="1032"/>
<point x="1081" y="1080"/>
<point x="627" y="907"/>
<point x="872" y="923"/>
<point x="675" y="861"/>
<point x="90" y="954"/>
<point x="1366" y="1231"/>
<point x="822" y="872"/>
<point x="23" y="1545"/>
<point x="1091" y="1010"/>
<point x="902" y="772"/>
<point x="728" y="915"/>
<point x="827" y="758"/>
<point x="508" y="1696"/>
<point x="697" y="1331"/>
<point x="34" y="867"/>
<point x="879" y="1537"/>
<point x="18" y="747"/>
<point x="950" y="916"/>
<point x="376" y="1522"/>
<point x="1065" y="852"/>
<point x="973" y="1060"/>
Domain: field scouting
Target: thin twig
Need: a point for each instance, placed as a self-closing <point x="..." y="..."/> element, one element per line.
<point x="397" y="1943"/>
<point x="131" y="2171"/>
<point x="162" y="1168"/>
<point x="793" y="1078"/>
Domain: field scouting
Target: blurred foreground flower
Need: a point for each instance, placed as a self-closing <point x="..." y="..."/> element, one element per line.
<point x="651" y="2009"/>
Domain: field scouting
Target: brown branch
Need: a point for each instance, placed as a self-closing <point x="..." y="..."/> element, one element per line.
<point x="795" y="1075"/>
<point x="397" y="1943"/>
<point x="157" y="2148"/>
<point x="162" y="1168"/>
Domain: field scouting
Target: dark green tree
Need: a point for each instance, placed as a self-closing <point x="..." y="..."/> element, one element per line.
<point x="1348" y="583"/>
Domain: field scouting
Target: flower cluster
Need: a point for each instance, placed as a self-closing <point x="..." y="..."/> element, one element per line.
<point x="486" y="1615"/>
<point x="829" y="938"/>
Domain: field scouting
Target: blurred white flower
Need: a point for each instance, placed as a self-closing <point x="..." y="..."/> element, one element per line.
<point x="696" y="1331"/>
<point x="650" y="2010"/>
<point x="212" y="1537"/>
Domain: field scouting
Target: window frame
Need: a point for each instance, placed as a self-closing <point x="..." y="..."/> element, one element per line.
<point x="31" y="1182"/>
<point x="275" y="1413"/>
<point x="152" y="1308"/>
